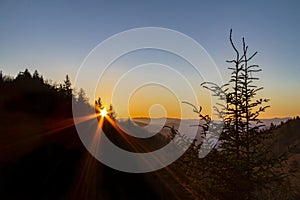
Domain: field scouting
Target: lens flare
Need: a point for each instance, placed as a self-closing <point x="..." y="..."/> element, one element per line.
<point x="103" y="112"/>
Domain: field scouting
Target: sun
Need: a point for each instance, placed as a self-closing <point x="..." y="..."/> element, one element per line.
<point x="103" y="112"/>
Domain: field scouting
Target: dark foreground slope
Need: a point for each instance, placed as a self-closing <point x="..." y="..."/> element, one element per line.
<point x="288" y="141"/>
<point x="42" y="157"/>
<point x="51" y="163"/>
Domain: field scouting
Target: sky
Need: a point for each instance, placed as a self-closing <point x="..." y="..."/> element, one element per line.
<point x="55" y="37"/>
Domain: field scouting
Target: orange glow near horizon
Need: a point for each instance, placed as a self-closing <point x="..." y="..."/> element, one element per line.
<point x="156" y="104"/>
<point x="154" y="101"/>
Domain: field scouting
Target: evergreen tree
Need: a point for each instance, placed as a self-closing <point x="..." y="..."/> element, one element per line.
<point x="111" y="112"/>
<point x="67" y="86"/>
<point x="26" y="74"/>
<point x="98" y="104"/>
<point x="35" y="75"/>
<point x="246" y="167"/>
<point x="82" y="98"/>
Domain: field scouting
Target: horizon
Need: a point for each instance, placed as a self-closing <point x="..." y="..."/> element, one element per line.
<point x="56" y="37"/>
<point x="149" y="99"/>
<point x="266" y="117"/>
<point x="156" y="117"/>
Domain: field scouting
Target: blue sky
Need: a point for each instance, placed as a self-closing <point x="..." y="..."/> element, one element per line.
<point x="55" y="36"/>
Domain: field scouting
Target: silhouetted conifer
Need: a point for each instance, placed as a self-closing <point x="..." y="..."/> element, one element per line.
<point x="67" y="86"/>
<point x="251" y="169"/>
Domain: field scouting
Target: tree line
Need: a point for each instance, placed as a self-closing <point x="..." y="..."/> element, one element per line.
<point x="242" y="165"/>
<point x="33" y="94"/>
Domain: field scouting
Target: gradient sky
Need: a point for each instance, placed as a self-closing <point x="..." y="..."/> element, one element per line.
<point x="55" y="36"/>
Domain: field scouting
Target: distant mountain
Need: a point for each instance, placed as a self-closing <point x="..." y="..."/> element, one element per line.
<point x="275" y="121"/>
<point x="187" y="126"/>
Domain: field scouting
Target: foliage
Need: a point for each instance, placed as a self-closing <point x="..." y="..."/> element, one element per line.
<point x="32" y="94"/>
<point x="243" y="165"/>
<point x="251" y="168"/>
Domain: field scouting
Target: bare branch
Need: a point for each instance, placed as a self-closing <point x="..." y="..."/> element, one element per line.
<point x="233" y="46"/>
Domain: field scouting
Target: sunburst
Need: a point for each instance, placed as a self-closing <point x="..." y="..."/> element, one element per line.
<point x="103" y="112"/>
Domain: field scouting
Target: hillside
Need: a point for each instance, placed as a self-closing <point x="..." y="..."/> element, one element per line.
<point x="42" y="156"/>
<point x="287" y="141"/>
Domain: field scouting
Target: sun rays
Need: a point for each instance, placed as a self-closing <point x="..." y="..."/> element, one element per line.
<point x="88" y="170"/>
<point x="103" y="112"/>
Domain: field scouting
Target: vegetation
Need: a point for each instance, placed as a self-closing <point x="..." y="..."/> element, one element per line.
<point x="252" y="169"/>
<point x="43" y="157"/>
<point x="244" y="165"/>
